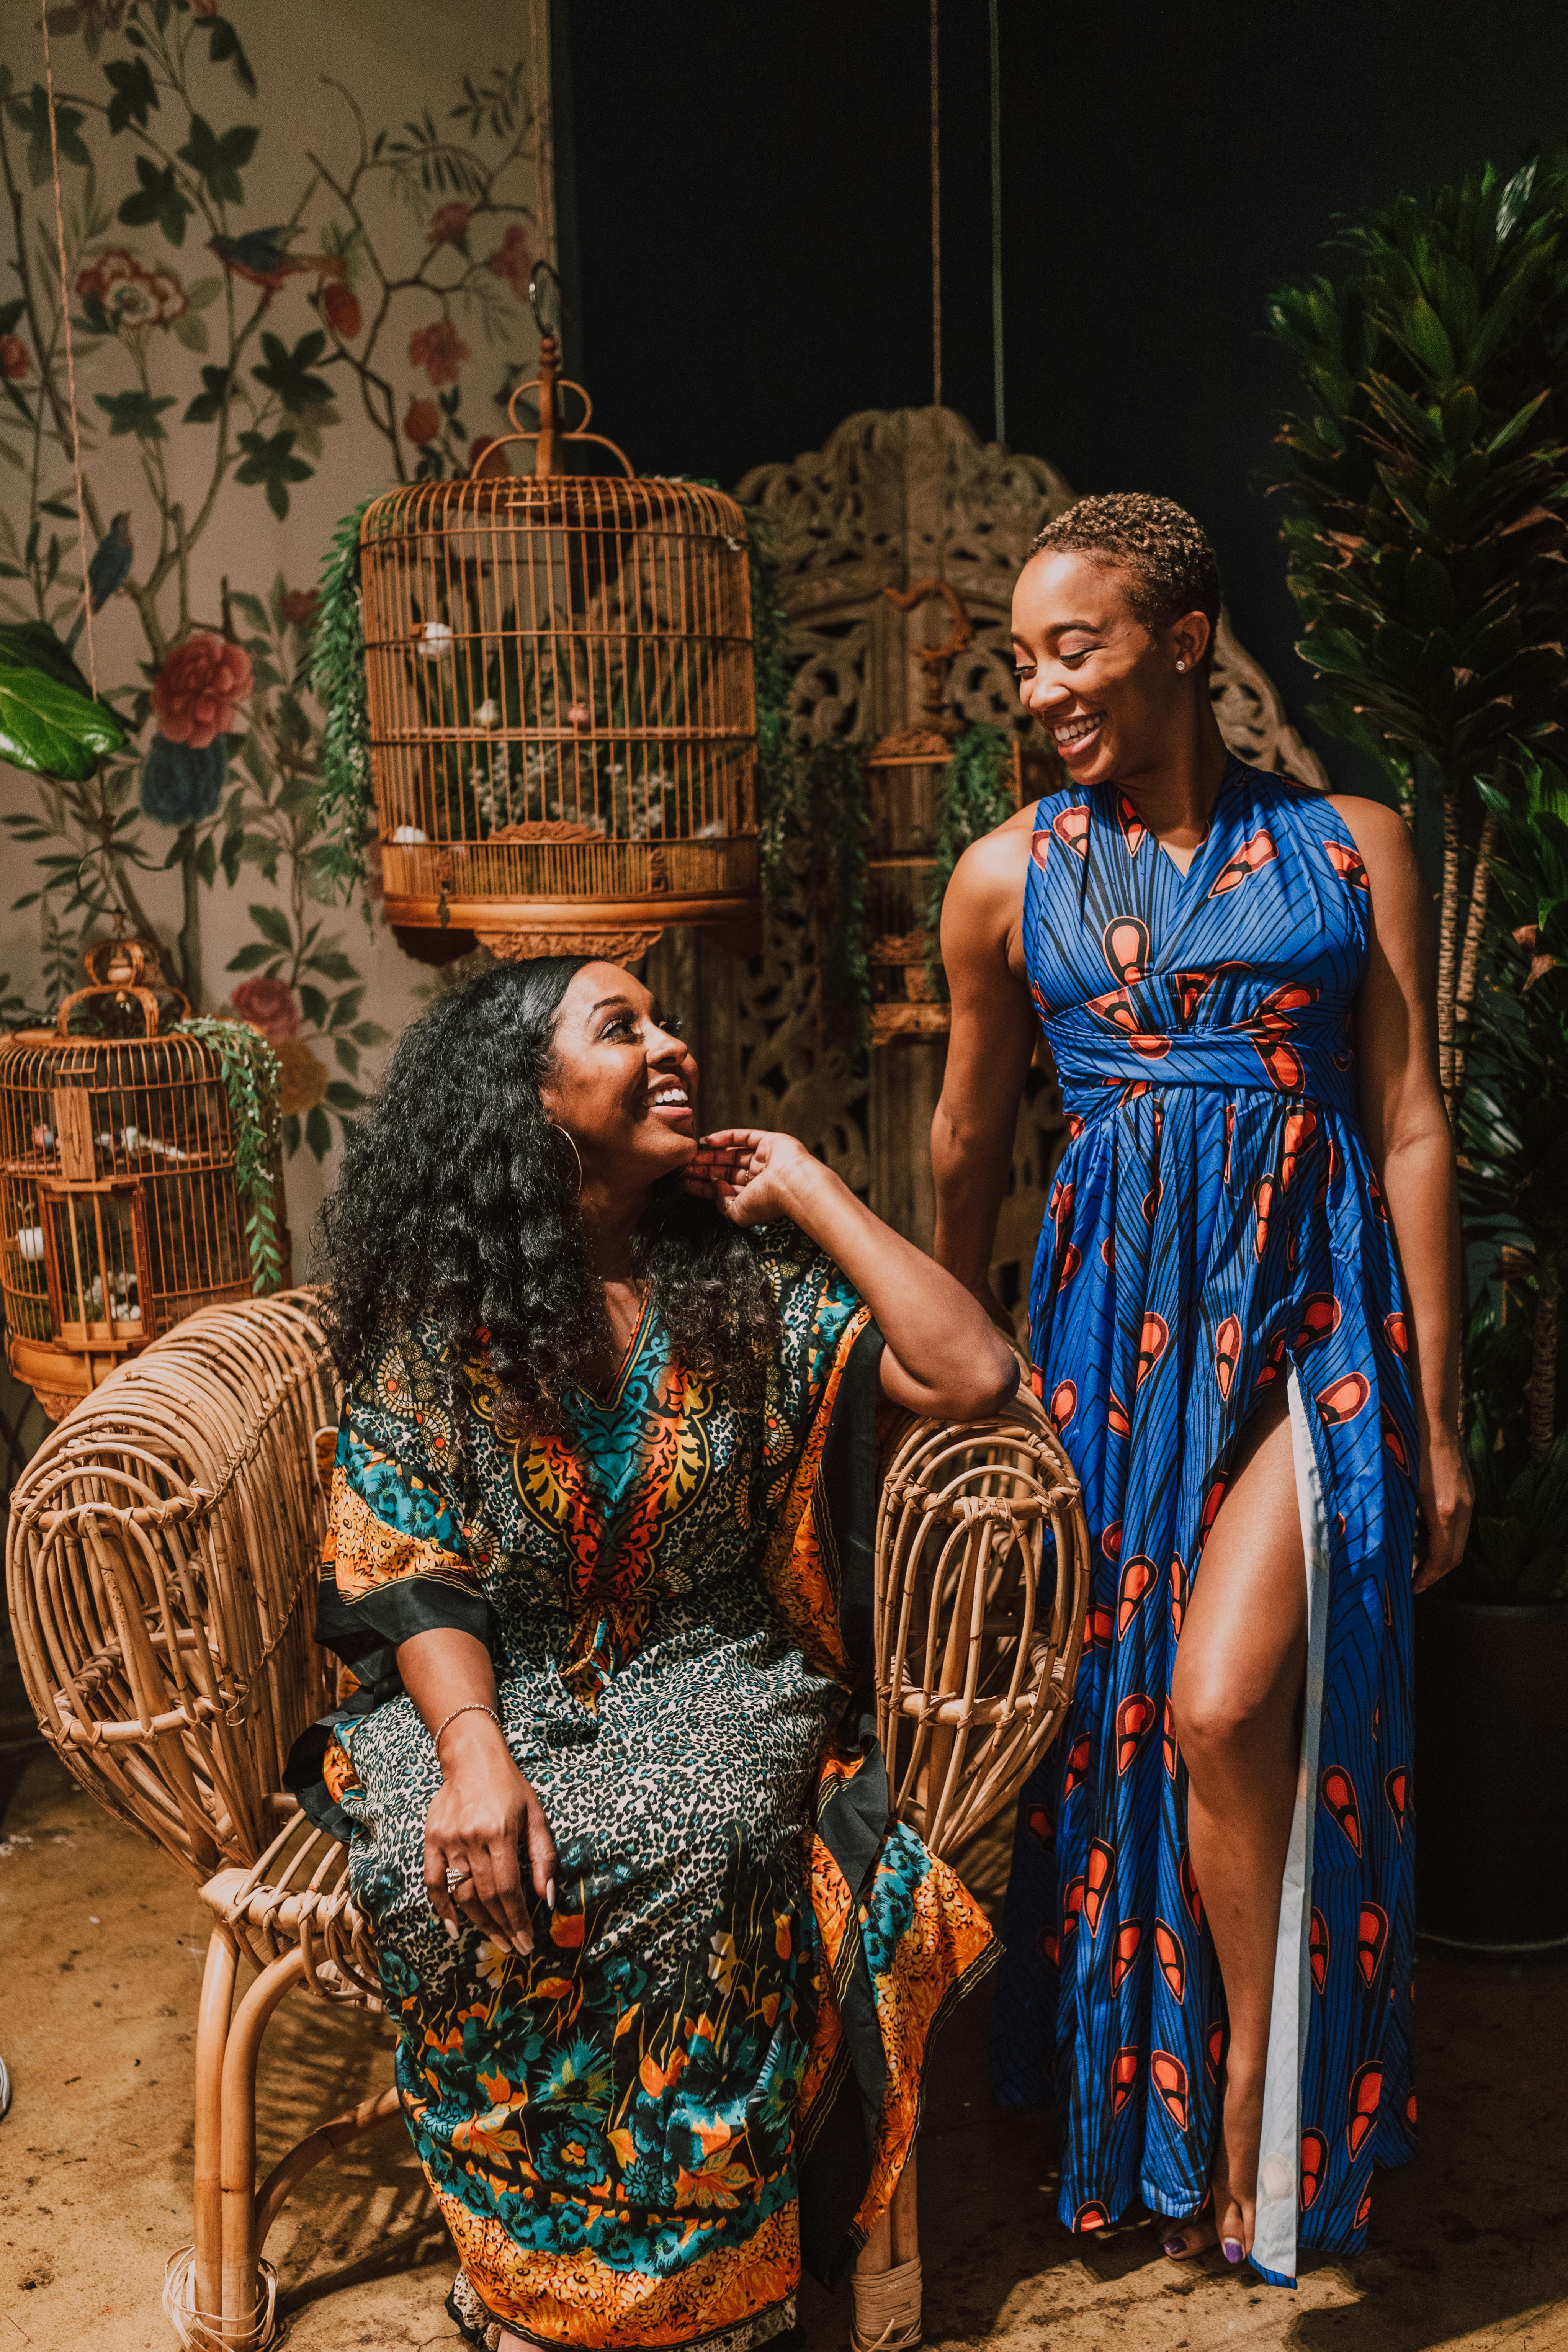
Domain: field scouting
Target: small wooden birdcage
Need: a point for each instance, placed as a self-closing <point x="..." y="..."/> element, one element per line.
<point x="562" y="722"/>
<point x="121" y="1213"/>
<point x="904" y="775"/>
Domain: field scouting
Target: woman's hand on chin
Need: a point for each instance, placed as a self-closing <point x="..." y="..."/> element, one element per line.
<point x="483" y="1818"/>
<point x="751" y="1174"/>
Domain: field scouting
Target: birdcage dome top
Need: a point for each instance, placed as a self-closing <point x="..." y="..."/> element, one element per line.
<point x="641" y="502"/>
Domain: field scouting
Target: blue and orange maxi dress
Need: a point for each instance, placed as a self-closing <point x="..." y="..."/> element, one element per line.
<point x="1215" y="1233"/>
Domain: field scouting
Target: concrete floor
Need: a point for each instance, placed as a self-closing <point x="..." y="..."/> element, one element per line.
<point x="100" y="1954"/>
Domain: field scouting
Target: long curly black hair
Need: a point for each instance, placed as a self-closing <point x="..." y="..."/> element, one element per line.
<point x="457" y="1205"/>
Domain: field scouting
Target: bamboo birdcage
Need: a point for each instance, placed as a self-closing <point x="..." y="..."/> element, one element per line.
<point x="903" y="785"/>
<point x="119" y="1210"/>
<point x="562" y="722"/>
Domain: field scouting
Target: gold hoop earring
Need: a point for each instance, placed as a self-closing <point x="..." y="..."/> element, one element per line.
<point x="576" y="1153"/>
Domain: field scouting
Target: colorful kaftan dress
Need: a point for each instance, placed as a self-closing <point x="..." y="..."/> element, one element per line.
<point x="714" y="2052"/>
<point x="1216" y="1232"/>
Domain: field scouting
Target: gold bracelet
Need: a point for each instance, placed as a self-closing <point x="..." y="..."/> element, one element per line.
<point x="469" y="1706"/>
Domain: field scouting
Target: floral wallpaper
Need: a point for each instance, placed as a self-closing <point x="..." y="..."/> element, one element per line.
<point x="298" y="239"/>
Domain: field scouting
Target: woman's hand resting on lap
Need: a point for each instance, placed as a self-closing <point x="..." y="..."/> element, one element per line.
<point x="484" y="1817"/>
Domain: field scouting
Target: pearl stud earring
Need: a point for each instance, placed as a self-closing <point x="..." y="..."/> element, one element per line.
<point x="1181" y="665"/>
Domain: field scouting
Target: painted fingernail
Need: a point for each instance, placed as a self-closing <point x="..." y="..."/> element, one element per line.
<point x="522" y="1946"/>
<point x="1231" y="2248"/>
<point x="550" y="1894"/>
<point x="451" y="1926"/>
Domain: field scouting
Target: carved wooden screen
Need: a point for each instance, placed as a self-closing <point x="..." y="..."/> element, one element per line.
<point x="895" y="497"/>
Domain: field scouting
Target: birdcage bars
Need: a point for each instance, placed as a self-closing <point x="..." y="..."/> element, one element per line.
<point x="562" y="719"/>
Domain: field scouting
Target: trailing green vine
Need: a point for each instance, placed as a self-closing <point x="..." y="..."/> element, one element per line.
<point x="250" y="1074"/>
<point x="834" y="816"/>
<point x="345" y="809"/>
<point x="780" y="780"/>
<point x="975" y="796"/>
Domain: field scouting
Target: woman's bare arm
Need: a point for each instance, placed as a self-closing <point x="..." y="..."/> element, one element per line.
<point x="485" y="1810"/>
<point x="1411" y="1150"/>
<point x="941" y="1359"/>
<point x="989" y="1049"/>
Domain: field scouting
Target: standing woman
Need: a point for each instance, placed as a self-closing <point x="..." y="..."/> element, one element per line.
<point x="599" y="1556"/>
<point x="1245" y="1320"/>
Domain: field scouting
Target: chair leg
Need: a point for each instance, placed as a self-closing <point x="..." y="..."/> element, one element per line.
<point x="905" y="2214"/>
<point x="886" y="2285"/>
<point x="212" y="2034"/>
<point x="896" y="2238"/>
<point x="238" y="2142"/>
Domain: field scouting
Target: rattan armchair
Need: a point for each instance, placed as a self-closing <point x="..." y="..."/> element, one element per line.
<point x="162" y="1568"/>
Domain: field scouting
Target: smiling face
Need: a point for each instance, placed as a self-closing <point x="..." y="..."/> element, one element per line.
<point x="623" y="1085"/>
<point x="1106" y="689"/>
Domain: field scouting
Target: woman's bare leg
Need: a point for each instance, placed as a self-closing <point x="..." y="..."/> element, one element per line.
<point x="1236" y="1697"/>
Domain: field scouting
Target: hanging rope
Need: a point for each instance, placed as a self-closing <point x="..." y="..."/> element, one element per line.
<point x="997" y="362"/>
<point x="71" y="354"/>
<point x="936" y="220"/>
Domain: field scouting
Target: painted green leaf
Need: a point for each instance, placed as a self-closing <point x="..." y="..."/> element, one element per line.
<point x="158" y="198"/>
<point x="287" y="372"/>
<point x="218" y="158"/>
<point x="134" y="412"/>
<point x="135" y="96"/>
<point x="31" y="114"/>
<point x="46" y="724"/>
<point x="225" y="44"/>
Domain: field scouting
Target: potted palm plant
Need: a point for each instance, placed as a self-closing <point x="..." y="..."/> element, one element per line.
<point x="1426" y="478"/>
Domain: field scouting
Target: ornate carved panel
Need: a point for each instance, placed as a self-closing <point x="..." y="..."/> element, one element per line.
<point x="894" y="497"/>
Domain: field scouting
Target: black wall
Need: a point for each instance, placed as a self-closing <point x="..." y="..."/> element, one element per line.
<point x="752" y="221"/>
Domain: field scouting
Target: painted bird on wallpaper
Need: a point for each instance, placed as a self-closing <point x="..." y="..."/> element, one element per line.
<point x="107" y="571"/>
<point x="112" y="561"/>
<point x="261" y="258"/>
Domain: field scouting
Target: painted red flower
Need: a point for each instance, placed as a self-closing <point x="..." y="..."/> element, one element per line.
<point x="299" y="606"/>
<point x="422" y="422"/>
<point x="340" y="304"/>
<point x="449" y="223"/>
<point x="14" y="360"/>
<point x="512" y="260"/>
<point x="195" y="691"/>
<point x="268" y="1005"/>
<point x="440" y="350"/>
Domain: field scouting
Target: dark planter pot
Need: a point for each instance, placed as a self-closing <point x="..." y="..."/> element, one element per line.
<point x="1491" y="1773"/>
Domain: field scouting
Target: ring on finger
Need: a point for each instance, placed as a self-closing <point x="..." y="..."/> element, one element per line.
<point x="457" y="1874"/>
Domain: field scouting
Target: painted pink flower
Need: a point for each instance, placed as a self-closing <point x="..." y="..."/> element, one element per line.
<point x="422" y="422"/>
<point x="197" y="688"/>
<point x="129" y="294"/>
<point x="512" y="260"/>
<point x="14" y="360"/>
<point x="269" y="1005"/>
<point x="299" y="606"/>
<point x="440" y="350"/>
<point x="449" y="223"/>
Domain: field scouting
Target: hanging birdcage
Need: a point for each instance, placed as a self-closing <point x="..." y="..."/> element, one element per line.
<point x="121" y="1208"/>
<point x="562" y="722"/>
<point x="904" y="774"/>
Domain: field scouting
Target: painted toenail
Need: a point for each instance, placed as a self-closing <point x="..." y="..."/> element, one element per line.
<point x="1232" y="2247"/>
<point x="1174" y="2246"/>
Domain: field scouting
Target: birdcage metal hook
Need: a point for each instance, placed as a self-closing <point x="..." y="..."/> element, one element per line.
<point x="549" y="383"/>
<point x="547" y="270"/>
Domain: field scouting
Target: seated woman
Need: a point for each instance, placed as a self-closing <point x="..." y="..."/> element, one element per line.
<point x="600" y="1560"/>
